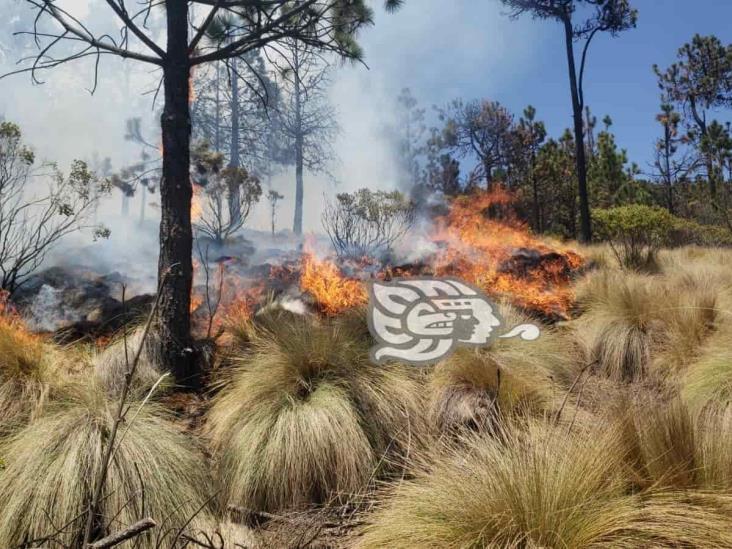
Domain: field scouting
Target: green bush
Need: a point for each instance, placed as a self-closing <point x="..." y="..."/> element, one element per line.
<point x="687" y="232"/>
<point x="635" y="233"/>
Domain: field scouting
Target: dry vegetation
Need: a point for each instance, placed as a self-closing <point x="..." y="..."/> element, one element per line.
<point x="612" y="430"/>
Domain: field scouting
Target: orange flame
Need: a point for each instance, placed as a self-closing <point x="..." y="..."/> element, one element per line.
<point x="325" y="282"/>
<point x="479" y="241"/>
<point x="196" y="203"/>
<point x="13" y="324"/>
<point x="482" y="250"/>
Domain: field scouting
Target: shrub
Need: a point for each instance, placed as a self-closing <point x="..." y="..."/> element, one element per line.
<point x="304" y="417"/>
<point x="686" y="231"/>
<point x="46" y="482"/>
<point x="226" y="195"/>
<point x="32" y="224"/>
<point x="367" y="223"/>
<point x="635" y="232"/>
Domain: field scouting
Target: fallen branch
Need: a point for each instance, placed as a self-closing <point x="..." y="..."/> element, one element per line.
<point x="130" y="532"/>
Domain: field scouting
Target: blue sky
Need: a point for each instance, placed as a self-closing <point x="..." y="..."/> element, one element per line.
<point x="442" y="49"/>
<point x="467" y="48"/>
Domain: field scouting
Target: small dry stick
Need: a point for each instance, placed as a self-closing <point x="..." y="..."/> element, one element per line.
<point x="118" y="419"/>
<point x="130" y="532"/>
<point x="585" y="368"/>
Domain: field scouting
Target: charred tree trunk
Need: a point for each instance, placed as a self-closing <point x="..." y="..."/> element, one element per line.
<point x="488" y="169"/>
<point x="299" y="153"/>
<point x="175" y="269"/>
<point x="579" y="137"/>
<point x="234" y="159"/>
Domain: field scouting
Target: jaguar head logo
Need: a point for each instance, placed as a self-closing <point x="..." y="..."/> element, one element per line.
<point x="422" y="321"/>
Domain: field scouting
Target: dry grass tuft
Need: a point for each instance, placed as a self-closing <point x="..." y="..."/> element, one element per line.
<point x="30" y="370"/>
<point x="473" y="389"/>
<point x="49" y="466"/>
<point x="542" y="487"/>
<point x="634" y="325"/>
<point x="304" y="417"/>
<point x="674" y="447"/>
<point x="111" y="364"/>
<point x="709" y="377"/>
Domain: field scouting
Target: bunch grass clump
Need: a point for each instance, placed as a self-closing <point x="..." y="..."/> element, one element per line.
<point x="51" y="465"/>
<point x="304" y="418"/>
<point x="709" y="377"/>
<point x="538" y="485"/>
<point x="634" y="326"/>
<point x="30" y="370"/>
<point x="673" y="446"/>
<point x="474" y="388"/>
<point x="112" y="363"/>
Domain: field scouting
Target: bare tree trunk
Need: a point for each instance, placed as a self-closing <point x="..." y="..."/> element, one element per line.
<point x="143" y="203"/>
<point x="579" y="138"/>
<point x="535" y="187"/>
<point x="299" y="190"/>
<point x="273" y="218"/>
<point x="234" y="160"/>
<point x="667" y="161"/>
<point x="175" y="269"/>
<point x="217" y="129"/>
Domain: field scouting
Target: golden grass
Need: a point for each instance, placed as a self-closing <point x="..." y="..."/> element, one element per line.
<point x="672" y="446"/>
<point x="30" y="370"/>
<point x="709" y="377"/>
<point x="112" y="363"/>
<point x="304" y="417"/>
<point x="474" y="388"/>
<point x="50" y="464"/>
<point x="634" y="325"/>
<point x="539" y="486"/>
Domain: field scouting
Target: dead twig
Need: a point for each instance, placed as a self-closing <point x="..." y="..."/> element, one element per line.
<point x="582" y="371"/>
<point x="119" y="418"/>
<point x="130" y="532"/>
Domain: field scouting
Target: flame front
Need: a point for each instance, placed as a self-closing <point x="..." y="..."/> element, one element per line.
<point x="482" y="243"/>
<point x="331" y="290"/>
<point x="196" y="203"/>
<point x="478" y="241"/>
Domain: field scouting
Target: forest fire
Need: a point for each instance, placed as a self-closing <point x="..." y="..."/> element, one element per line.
<point x="483" y="243"/>
<point x="478" y="240"/>
<point x="196" y="203"/>
<point x="332" y="291"/>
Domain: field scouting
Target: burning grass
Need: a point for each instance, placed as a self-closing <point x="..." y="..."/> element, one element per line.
<point x="480" y="237"/>
<point x="30" y="370"/>
<point x="478" y="241"/>
<point x="304" y="418"/>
